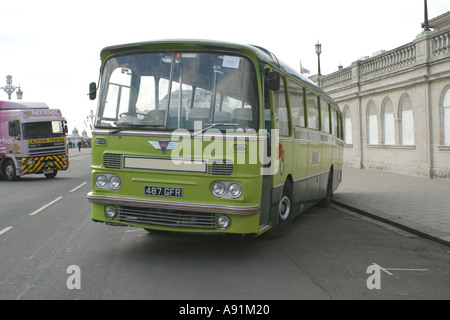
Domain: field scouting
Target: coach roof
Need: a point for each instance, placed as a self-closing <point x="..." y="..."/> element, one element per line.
<point x="192" y="44"/>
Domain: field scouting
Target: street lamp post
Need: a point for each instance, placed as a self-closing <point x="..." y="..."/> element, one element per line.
<point x="425" y="24"/>
<point x="318" y="52"/>
<point x="10" y="88"/>
<point x="89" y="122"/>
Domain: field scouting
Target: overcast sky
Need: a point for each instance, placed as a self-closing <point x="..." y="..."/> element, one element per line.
<point x="52" y="47"/>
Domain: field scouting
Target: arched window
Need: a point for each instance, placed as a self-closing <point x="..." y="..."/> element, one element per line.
<point x="407" y="121"/>
<point x="447" y="118"/>
<point x="388" y="123"/>
<point x="348" y="126"/>
<point x="372" y="123"/>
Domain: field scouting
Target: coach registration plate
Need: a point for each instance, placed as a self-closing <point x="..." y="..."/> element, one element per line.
<point x="163" y="191"/>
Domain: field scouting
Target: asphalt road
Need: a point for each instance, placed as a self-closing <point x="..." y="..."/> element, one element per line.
<point x="50" y="249"/>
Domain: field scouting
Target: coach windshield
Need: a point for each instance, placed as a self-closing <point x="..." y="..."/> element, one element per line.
<point x="172" y="90"/>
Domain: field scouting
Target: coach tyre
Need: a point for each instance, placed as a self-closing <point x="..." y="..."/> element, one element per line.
<point x="285" y="211"/>
<point x="326" y="201"/>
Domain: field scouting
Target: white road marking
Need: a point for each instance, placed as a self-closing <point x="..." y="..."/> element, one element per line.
<point x="78" y="187"/>
<point x="5" y="230"/>
<point x="47" y="205"/>
<point x="398" y="269"/>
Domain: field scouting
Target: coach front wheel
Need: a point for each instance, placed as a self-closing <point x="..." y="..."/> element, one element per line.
<point x="285" y="212"/>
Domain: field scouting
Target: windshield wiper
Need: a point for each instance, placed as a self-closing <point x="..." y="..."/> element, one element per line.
<point x="212" y="125"/>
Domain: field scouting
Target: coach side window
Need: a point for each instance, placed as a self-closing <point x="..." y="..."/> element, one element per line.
<point x="313" y="110"/>
<point x="297" y="104"/>
<point x="334" y="122"/>
<point x="325" y="114"/>
<point x="280" y="109"/>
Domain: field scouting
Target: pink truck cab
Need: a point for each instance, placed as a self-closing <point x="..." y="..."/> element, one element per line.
<point x="32" y="140"/>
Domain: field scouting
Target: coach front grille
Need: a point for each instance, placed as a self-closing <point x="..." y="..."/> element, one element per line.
<point x="170" y="218"/>
<point x="112" y="161"/>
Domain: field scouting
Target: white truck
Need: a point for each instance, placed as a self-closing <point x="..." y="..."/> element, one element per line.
<point x="32" y="140"/>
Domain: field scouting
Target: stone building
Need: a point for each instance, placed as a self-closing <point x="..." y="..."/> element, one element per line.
<point x="396" y="105"/>
<point x="75" y="137"/>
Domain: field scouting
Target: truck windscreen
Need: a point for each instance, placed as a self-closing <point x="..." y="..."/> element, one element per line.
<point x="48" y="129"/>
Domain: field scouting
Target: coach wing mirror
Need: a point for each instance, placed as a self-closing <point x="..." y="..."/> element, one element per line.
<point x="273" y="81"/>
<point x="92" y="90"/>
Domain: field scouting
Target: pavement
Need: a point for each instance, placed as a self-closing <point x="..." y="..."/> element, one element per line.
<point x="416" y="204"/>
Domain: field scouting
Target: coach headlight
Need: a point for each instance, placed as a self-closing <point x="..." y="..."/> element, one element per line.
<point x="226" y="189"/>
<point x="218" y="189"/>
<point x="235" y="190"/>
<point x="115" y="182"/>
<point x="108" y="181"/>
<point x="101" y="180"/>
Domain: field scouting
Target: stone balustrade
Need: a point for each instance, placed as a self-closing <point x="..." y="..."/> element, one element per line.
<point x="340" y="78"/>
<point x="402" y="58"/>
<point x="440" y="44"/>
<point x="388" y="62"/>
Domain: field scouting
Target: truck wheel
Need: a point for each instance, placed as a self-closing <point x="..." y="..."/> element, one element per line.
<point x="51" y="175"/>
<point x="9" y="171"/>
